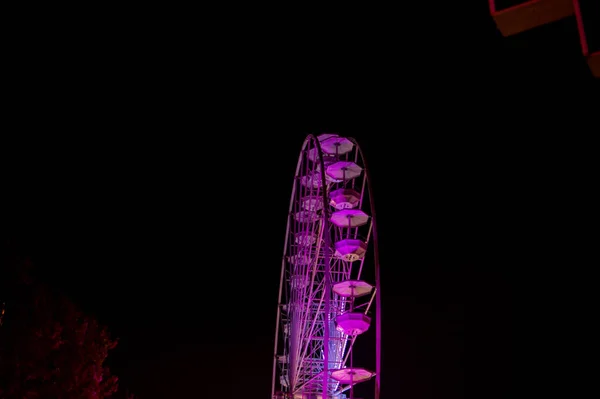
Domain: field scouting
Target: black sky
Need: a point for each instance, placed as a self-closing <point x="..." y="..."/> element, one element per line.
<point x="151" y="181"/>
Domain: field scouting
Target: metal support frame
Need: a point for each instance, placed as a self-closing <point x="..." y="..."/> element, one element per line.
<point x="307" y="307"/>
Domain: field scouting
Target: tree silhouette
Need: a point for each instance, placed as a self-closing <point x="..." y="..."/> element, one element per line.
<point x="49" y="349"/>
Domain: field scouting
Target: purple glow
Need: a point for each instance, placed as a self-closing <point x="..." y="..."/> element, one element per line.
<point x="312" y="203"/>
<point x="306" y="216"/>
<point x="343" y="170"/>
<point x="350" y="249"/>
<point x="300" y="260"/>
<point x="298" y="282"/>
<point x="344" y="198"/>
<point x="312" y="180"/>
<point x="323" y="228"/>
<point x="352" y="288"/>
<point x="305" y="238"/>
<point x="351" y="375"/>
<point x="349" y="218"/>
<point x="336" y="145"/>
<point x="313" y="155"/>
<point x="353" y="323"/>
<point x="324" y="136"/>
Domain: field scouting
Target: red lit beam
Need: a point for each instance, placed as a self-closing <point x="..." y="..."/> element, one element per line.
<point x="593" y="59"/>
<point x="529" y="15"/>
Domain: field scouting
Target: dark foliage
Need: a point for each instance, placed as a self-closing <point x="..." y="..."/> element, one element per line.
<point x="49" y="349"/>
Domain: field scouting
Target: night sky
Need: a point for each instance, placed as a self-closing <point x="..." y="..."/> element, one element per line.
<point x="151" y="184"/>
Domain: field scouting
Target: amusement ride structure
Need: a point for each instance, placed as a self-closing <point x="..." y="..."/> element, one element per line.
<point x="325" y="304"/>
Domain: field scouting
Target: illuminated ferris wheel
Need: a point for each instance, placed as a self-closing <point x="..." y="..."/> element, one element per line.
<point x="325" y="302"/>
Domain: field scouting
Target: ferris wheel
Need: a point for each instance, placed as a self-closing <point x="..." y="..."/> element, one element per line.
<point x="326" y="303"/>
